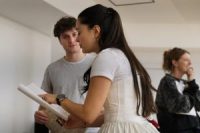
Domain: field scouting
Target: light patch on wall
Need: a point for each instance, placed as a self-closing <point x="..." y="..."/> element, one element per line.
<point x="130" y="2"/>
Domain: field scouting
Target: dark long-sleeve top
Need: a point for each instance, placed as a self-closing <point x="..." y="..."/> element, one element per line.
<point x="175" y="103"/>
<point x="170" y="99"/>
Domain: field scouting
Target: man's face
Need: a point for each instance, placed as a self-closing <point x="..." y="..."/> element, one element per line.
<point x="68" y="40"/>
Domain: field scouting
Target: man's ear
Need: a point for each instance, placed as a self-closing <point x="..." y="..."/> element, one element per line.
<point x="97" y="31"/>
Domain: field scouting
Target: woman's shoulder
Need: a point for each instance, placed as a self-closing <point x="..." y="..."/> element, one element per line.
<point x="167" y="82"/>
<point x="55" y="64"/>
<point x="168" y="77"/>
<point x="111" y="52"/>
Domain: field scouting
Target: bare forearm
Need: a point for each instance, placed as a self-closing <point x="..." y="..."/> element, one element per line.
<point x="95" y="99"/>
<point x="78" y="110"/>
<point x="98" y="122"/>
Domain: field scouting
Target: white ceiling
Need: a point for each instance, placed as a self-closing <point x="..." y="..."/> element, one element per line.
<point x="35" y="14"/>
<point x="41" y="16"/>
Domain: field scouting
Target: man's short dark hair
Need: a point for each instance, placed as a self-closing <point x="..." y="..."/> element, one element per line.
<point x="64" y="24"/>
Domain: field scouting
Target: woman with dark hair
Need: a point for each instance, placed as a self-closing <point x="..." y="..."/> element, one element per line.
<point x="118" y="82"/>
<point x="178" y="100"/>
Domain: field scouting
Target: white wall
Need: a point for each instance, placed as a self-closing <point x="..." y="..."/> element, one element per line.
<point x="57" y="51"/>
<point x="70" y="7"/>
<point x="24" y="55"/>
<point x="163" y="35"/>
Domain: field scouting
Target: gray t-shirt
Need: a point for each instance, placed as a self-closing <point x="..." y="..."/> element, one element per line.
<point x="64" y="77"/>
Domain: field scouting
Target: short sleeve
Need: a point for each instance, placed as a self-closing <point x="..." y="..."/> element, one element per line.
<point x="46" y="84"/>
<point x="105" y="65"/>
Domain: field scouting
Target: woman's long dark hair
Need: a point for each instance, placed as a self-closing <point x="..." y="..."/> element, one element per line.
<point x="112" y="36"/>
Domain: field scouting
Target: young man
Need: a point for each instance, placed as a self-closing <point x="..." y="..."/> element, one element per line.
<point x="65" y="76"/>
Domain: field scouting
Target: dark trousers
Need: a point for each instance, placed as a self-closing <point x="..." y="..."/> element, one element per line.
<point x="192" y="130"/>
<point x="38" y="128"/>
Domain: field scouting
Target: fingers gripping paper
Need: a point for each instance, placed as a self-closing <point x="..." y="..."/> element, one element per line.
<point x="33" y="92"/>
